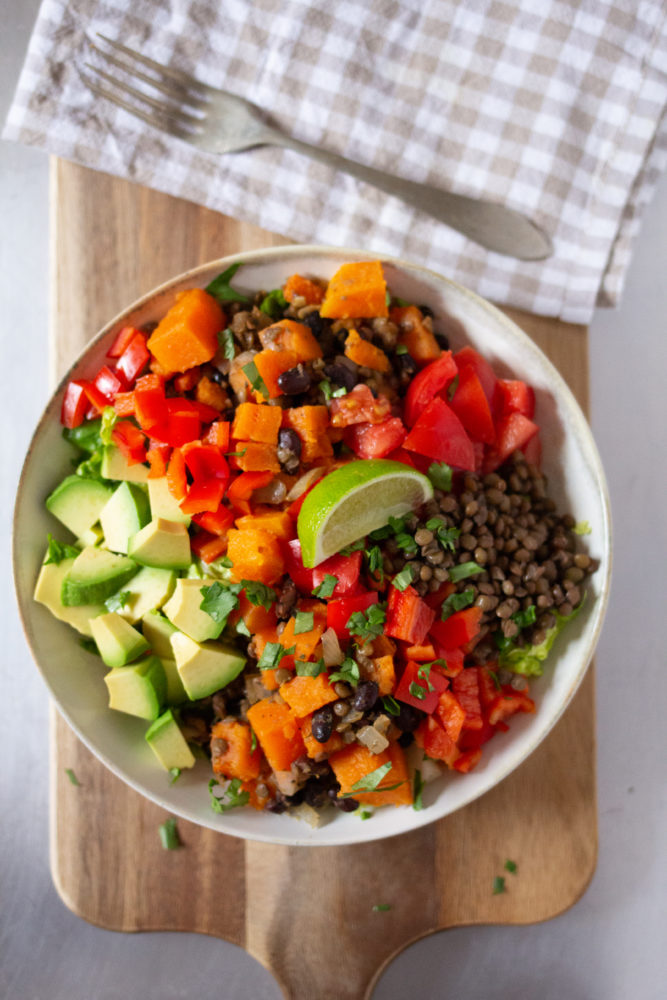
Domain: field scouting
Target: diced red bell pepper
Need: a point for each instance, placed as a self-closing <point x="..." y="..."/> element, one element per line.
<point x="435" y="742"/>
<point x="514" y="396"/>
<point x="218" y="434"/>
<point x="453" y="660"/>
<point x="450" y="714"/>
<point x="134" y="358"/>
<point x="294" y="568"/>
<point x="513" y="432"/>
<point x="420" y="686"/>
<point x="205" y="412"/>
<point x="427" y="384"/>
<point x="346" y="569"/>
<point x="439" y="434"/>
<point x="208" y="547"/>
<point x="483" y="370"/>
<point x="187" y="380"/>
<point x="488" y="685"/>
<point x="203" y="495"/>
<point x="458" y="629"/>
<point x="471" y="406"/>
<point x="158" y="459"/>
<point x="123" y="404"/>
<point x="130" y="440"/>
<point x="177" y="479"/>
<point x="216" y="522"/>
<point x="408" y="616"/>
<point x="205" y="461"/>
<point x="339" y="611"/>
<point x="242" y="488"/>
<point x="121" y="340"/>
<point x="473" y="739"/>
<point x="375" y="440"/>
<point x="182" y="423"/>
<point x="401" y="455"/>
<point x="96" y="398"/>
<point x="74" y="405"/>
<point x="109" y="383"/>
<point x="150" y="405"/>
<point x="508" y="703"/>
<point x="467" y="760"/>
<point x="466" y="688"/>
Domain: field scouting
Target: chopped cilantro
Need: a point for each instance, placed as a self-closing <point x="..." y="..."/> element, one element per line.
<point x="417" y="691"/>
<point x="387" y="298"/>
<point x="354" y="547"/>
<point x="381" y="907"/>
<point x="235" y="454"/>
<point x="367" y="624"/>
<point x="456" y="602"/>
<point x="446" y="536"/>
<point x="272" y="655"/>
<point x="390" y="705"/>
<point x="306" y="668"/>
<point x="242" y="628"/>
<point x="274" y="303"/>
<point x="582" y="528"/>
<point x="304" y="622"/>
<point x="498" y="885"/>
<point x="525" y="618"/>
<point x="348" y="673"/>
<point x="117" y="601"/>
<point x="403" y="579"/>
<point x="259" y="593"/>
<point x="226" y="342"/>
<point x="440" y="475"/>
<point x="452" y="387"/>
<point x="220" y="600"/>
<point x="364" y="813"/>
<point x="329" y="392"/>
<point x="464" y="570"/>
<point x="253" y="741"/>
<point x="375" y="561"/>
<point x="72" y="776"/>
<point x="417" y="789"/>
<point x="401" y="349"/>
<point x="496" y="680"/>
<point x="221" y="289"/>
<point x="510" y="866"/>
<point x="174" y="774"/>
<point x="169" y="835"/>
<point x="225" y="561"/>
<point x="370" y="781"/>
<point x="424" y="674"/>
<point x="255" y="379"/>
<point x="58" y="551"/>
<point x="327" y="587"/>
<point x="407" y="543"/>
<point x="231" y="798"/>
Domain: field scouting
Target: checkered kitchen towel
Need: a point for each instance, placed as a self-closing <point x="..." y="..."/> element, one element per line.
<point x="553" y="107"/>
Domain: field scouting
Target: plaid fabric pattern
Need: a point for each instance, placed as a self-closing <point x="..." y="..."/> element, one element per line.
<point x="553" y="107"/>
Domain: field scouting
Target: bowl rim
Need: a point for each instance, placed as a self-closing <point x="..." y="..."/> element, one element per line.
<point x="580" y="425"/>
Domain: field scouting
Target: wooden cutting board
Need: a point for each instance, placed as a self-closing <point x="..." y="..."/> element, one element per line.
<point x="111" y="242"/>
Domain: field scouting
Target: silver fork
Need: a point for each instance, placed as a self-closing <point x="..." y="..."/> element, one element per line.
<point x="219" y="122"/>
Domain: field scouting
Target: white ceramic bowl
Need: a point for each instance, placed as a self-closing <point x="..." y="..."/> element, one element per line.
<point x="576" y="482"/>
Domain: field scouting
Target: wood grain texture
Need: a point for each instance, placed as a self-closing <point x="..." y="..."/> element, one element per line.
<point x="111" y="242"/>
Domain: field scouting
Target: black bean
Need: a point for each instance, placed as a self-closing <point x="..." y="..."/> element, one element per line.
<point x="316" y="323"/>
<point x="341" y="375"/>
<point x="321" y="725"/>
<point x="426" y="311"/>
<point x="365" y="696"/>
<point x="345" y="805"/>
<point x="290" y="441"/>
<point x="407" y="366"/>
<point x="405" y="740"/>
<point x="408" y="718"/>
<point x="294" y="380"/>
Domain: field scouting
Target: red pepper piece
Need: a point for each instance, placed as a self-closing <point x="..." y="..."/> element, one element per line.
<point x="435" y="742"/>
<point x="408" y="616"/>
<point x="122" y="339"/>
<point x="203" y="495"/>
<point x="488" y="685"/>
<point x="96" y="398"/>
<point x="420" y="686"/>
<point x="483" y="370"/>
<point x="130" y="440"/>
<point x="123" y="404"/>
<point x="466" y="688"/>
<point x="205" y="412"/>
<point x="339" y="611"/>
<point x="467" y="760"/>
<point x="532" y="451"/>
<point x="471" y="406"/>
<point x="513" y="433"/>
<point x="109" y="383"/>
<point x="514" y="396"/>
<point x="294" y="568"/>
<point x="450" y="714"/>
<point x="216" y="522"/>
<point x="439" y="434"/>
<point x="208" y="547"/>
<point x="182" y="423"/>
<point x="375" y="440"/>
<point x="149" y="401"/>
<point x="218" y="434"/>
<point x="401" y="455"/>
<point x="134" y="358"/>
<point x="508" y="703"/>
<point x="158" y="459"/>
<point x="453" y="659"/>
<point x="243" y="487"/>
<point x="74" y="405"/>
<point x="177" y="480"/>
<point x="458" y="629"/>
<point x="428" y="384"/>
<point x="205" y="461"/>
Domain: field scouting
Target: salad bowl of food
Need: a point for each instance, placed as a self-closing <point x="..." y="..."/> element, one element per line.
<point x="296" y="539"/>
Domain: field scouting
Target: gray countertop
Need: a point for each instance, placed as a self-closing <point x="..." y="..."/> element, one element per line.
<point x="611" y="944"/>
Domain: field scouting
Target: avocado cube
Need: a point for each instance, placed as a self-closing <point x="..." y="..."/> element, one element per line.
<point x="168" y="743"/>
<point x="77" y="503"/>
<point x="116" y="466"/>
<point x="124" y="514"/>
<point x="176" y="693"/>
<point x="205" y="667"/>
<point x="183" y="610"/>
<point x="158" y="630"/>
<point x="116" y="640"/>
<point x="165" y="544"/>
<point x="163" y="504"/>
<point x="95" y="575"/>
<point x="93" y="536"/>
<point x="139" y="689"/>
<point x="149" y="588"/>
<point x="48" y="590"/>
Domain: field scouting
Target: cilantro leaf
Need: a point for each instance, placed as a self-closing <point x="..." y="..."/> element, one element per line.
<point x="348" y="672"/>
<point x="463" y="570"/>
<point x="390" y="705"/>
<point x="364" y="813"/>
<point x="305" y="668"/>
<point x="274" y="304"/>
<point x="510" y="866"/>
<point x="58" y="551"/>
<point x="417" y="691"/>
<point x="582" y="528"/>
<point x="526" y="617"/>
<point x="452" y="387"/>
<point x="328" y="390"/>
<point x="368" y="624"/>
<point x="169" y="835"/>
<point x="446" y="536"/>
<point x="440" y="475"/>
<point x="272" y="655"/>
<point x="401" y="349"/>
<point x="381" y="907"/>
<point x="219" y="601"/>
<point x="370" y="781"/>
<point x="354" y="547"/>
<point x="327" y="587"/>
<point x="258" y="593"/>
<point x="85" y="437"/>
<point x="72" y="776"/>
<point x="456" y="602"/>
<point x="407" y="543"/>
<point x="174" y="774"/>
<point x="424" y="674"/>
<point x="498" y="885"/>
<point x="417" y="789"/>
<point x="221" y="289"/>
<point x="118" y="601"/>
<point x="253" y="740"/>
<point x="226" y="342"/>
<point x="231" y="798"/>
<point x="242" y="628"/>
<point x="255" y="379"/>
<point x="304" y="622"/>
<point x="403" y="579"/>
<point x="375" y="561"/>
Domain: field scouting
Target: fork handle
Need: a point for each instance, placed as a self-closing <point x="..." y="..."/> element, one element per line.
<point x="493" y="226"/>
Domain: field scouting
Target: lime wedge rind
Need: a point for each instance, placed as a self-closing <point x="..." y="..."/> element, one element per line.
<point x="354" y="500"/>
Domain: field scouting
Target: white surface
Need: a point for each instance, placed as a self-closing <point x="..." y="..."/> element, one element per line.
<point x="610" y="945"/>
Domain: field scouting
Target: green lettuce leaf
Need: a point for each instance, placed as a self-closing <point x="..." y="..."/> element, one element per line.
<point x="528" y="660"/>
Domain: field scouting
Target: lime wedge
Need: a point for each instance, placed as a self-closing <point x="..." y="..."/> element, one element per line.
<point x="355" y="499"/>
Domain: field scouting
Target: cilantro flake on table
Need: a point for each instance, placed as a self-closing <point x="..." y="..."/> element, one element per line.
<point x="220" y="288"/>
<point x="381" y="907"/>
<point x="499" y="885"/>
<point x="58" y="551"/>
<point x="327" y="587"/>
<point x="72" y="776"/>
<point x="169" y="837"/>
<point x="219" y="601"/>
<point x="510" y="866"/>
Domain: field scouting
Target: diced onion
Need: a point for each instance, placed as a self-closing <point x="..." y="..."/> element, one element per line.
<point x="302" y="484"/>
<point x="274" y="492"/>
<point x="332" y="654"/>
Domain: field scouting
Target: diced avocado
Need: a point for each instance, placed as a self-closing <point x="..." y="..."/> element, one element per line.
<point x="77" y="502"/>
<point x="124" y="514"/>
<point x="150" y="588"/>
<point x="118" y="643"/>
<point x="139" y="689"/>
<point x="165" y="738"/>
<point x="48" y="592"/>
<point x="158" y="630"/>
<point x="115" y="466"/>
<point x="95" y="575"/>
<point x="176" y="694"/>
<point x="163" y="504"/>
<point x="183" y="610"/>
<point x="93" y="536"/>
<point x="161" y="543"/>
<point x="205" y="667"/>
